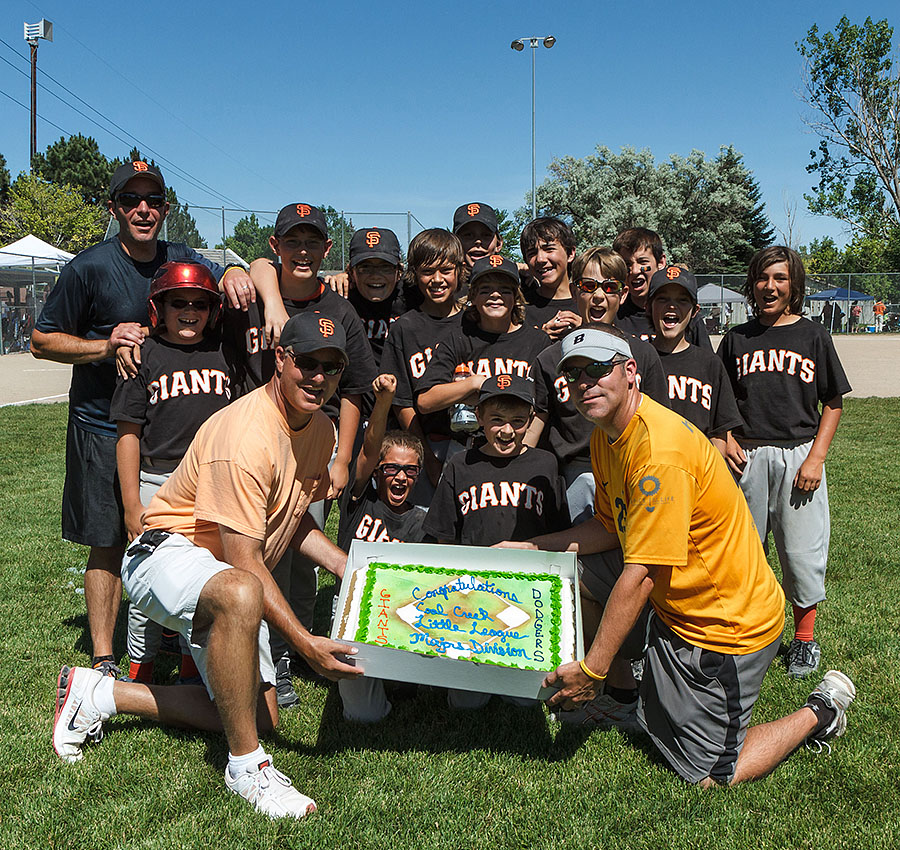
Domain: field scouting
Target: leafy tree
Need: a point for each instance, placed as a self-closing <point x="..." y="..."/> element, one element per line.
<point x="510" y="231"/>
<point x="337" y="225"/>
<point x="250" y="239"/>
<point x="56" y="214"/>
<point x="707" y="211"/>
<point x="853" y="85"/>
<point x="180" y="224"/>
<point x="76" y="161"/>
<point x="4" y="180"/>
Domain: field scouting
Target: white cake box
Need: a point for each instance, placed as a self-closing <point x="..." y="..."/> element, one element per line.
<point x="410" y="666"/>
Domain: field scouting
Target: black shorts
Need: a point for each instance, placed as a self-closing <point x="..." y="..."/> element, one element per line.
<point x="92" y="511"/>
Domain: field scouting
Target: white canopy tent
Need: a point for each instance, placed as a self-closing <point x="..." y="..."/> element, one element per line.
<point x="712" y="293"/>
<point x="31" y="251"/>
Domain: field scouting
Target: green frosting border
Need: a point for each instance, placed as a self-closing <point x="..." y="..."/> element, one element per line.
<point x="365" y="607"/>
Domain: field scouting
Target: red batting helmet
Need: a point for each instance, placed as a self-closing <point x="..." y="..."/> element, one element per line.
<point x="182" y="275"/>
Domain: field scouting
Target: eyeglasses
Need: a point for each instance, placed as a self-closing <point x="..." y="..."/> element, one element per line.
<point x="593" y="370"/>
<point x="589" y="284"/>
<point x="182" y="303"/>
<point x="392" y="469"/>
<point x="305" y="363"/>
<point x="130" y="200"/>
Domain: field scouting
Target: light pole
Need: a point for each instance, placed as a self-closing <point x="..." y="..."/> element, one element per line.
<point x="33" y="32"/>
<point x="519" y="44"/>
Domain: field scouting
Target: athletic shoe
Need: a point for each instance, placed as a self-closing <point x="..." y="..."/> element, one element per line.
<point x="802" y="658"/>
<point x="603" y="711"/>
<point x="269" y="791"/>
<point x="284" y="687"/>
<point x="835" y="691"/>
<point x="108" y="668"/>
<point x="77" y="720"/>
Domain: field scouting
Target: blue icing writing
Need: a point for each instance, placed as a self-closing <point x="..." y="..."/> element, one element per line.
<point x="438" y="643"/>
<point x="459" y="586"/>
<point x="447" y="624"/>
<point x="500" y="633"/>
<point x="499" y="649"/>
<point x="480" y="614"/>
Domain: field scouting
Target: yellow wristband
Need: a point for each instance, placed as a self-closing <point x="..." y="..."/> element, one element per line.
<point x="590" y="673"/>
<point x="230" y="269"/>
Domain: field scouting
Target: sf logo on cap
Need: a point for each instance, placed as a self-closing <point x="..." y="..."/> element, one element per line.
<point x="139" y="166"/>
<point x="373" y="237"/>
<point x="673" y="272"/>
<point x="496" y="260"/>
<point x="303" y="210"/>
<point x="326" y="327"/>
<point x="473" y="209"/>
<point x="503" y="381"/>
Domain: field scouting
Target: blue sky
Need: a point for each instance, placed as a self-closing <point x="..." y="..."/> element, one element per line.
<point x="417" y="106"/>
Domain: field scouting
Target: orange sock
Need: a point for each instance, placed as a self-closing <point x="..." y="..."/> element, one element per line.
<point x="188" y="668"/>
<point x="804" y="622"/>
<point x="141" y="671"/>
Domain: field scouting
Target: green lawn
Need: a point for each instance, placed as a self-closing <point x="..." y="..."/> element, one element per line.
<point x="427" y="777"/>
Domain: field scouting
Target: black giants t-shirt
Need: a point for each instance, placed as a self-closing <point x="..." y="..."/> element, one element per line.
<point x="377" y="317"/>
<point x="779" y="376"/>
<point x="368" y="518"/>
<point x="481" y="500"/>
<point x="97" y="290"/>
<point x="699" y="390"/>
<point x="539" y="309"/>
<point x="567" y="433"/>
<point x="177" y="388"/>
<point x="633" y="320"/>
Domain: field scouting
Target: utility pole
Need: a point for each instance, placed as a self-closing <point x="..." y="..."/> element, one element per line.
<point x="33" y="32"/>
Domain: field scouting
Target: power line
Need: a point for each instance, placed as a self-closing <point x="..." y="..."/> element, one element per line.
<point x="28" y="109"/>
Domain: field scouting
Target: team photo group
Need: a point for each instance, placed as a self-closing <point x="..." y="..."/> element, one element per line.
<point x="570" y="402"/>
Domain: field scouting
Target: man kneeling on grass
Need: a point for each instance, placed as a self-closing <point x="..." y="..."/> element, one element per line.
<point x="665" y="495"/>
<point x="203" y="568"/>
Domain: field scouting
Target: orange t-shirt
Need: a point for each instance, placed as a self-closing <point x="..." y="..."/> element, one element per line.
<point x="247" y="470"/>
<point x="665" y="490"/>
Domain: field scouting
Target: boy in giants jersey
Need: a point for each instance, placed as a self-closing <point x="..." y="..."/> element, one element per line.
<point x="698" y="387"/>
<point x="782" y="366"/>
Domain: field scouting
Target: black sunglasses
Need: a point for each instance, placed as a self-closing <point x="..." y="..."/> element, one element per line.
<point x="589" y="284"/>
<point x="130" y="200"/>
<point x="392" y="469"/>
<point x="593" y="370"/>
<point x="305" y="363"/>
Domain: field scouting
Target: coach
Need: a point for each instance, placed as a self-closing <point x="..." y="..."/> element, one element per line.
<point x="98" y="304"/>
<point x="664" y="494"/>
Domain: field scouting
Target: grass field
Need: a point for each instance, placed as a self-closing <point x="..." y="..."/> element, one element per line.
<point x="427" y="777"/>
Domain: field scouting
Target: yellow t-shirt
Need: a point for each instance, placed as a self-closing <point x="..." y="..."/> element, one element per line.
<point x="247" y="470"/>
<point x="665" y="490"/>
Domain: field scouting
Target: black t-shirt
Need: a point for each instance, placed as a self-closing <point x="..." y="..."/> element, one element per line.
<point x="247" y="332"/>
<point x="567" y="433"/>
<point x="97" y="290"/>
<point x="410" y="345"/>
<point x="539" y="309"/>
<point x="779" y="375"/>
<point x="378" y="316"/>
<point x="699" y="390"/>
<point x="481" y="500"/>
<point x="633" y="320"/>
<point x="368" y="518"/>
<point x="177" y="388"/>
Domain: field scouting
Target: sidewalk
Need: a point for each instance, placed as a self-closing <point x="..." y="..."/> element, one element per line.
<point x="872" y="363"/>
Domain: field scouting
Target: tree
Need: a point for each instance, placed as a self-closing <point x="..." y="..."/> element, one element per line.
<point x="853" y="86"/>
<point x="337" y="225"/>
<point x="4" y="180"/>
<point x="77" y="162"/>
<point x="510" y="231"/>
<point x="708" y="211"/>
<point x="180" y="224"/>
<point x="56" y="214"/>
<point x="250" y="239"/>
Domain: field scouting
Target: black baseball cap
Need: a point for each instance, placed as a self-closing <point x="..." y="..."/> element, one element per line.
<point x="138" y="168"/>
<point x="294" y="214"/>
<point x="307" y="332"/>
<point x="375" y="243"/>
<point x="476" y="211"/>
<point x="494" y="264"/>
<point x="507" y="385"/>
<point x="673" y="274"/>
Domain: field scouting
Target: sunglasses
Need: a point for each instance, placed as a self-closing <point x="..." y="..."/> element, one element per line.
<point x="593" y="370"/>
<point x="305" y="363"/>
<point x="589" y="284"/>
<point x="392" y="469"/>
<point x="182" y="303"/>
<point x="130" y="200"/>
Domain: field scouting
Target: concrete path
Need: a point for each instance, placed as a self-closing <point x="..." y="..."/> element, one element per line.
<point x="872" y="363"/>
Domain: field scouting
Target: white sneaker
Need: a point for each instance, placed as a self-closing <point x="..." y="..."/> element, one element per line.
<point x="270" y="792"/>
<point x="836" y="691"/>
<point x="603" y="711"/>
<point x="77" y="719"/>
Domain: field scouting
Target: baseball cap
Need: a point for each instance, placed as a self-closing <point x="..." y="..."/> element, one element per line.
<point x="294" y="214"/>
<point x="673" y="274"/>
<point x="307" y="332"/>
<point x="475" y="211"/>
<point x="507" y="385"/>
<point x="138" y="168"/>
<point x="376" y="243"/>
<point x="494" y="264"/>
<point x="597" y="345"/>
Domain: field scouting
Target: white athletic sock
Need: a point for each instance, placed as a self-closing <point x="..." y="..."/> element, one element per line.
<point x="248" y="762"/>
<point x="103" y="698"/>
